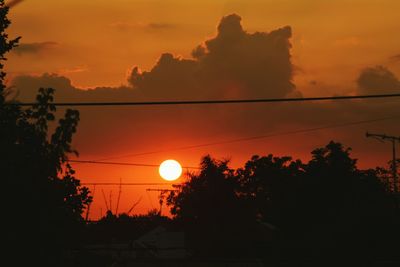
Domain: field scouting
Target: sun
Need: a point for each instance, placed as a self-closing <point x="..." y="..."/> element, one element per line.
<point x="170" y="170"/>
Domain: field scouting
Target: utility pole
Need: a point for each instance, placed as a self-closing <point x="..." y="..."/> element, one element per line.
<point x="393" y="139"/>
<point x="162" y="192"/>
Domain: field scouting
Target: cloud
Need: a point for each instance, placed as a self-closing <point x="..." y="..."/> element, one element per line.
<point x="160" y="26"/>
<point x="76" y="69"/>
<point x="377" y="80"/>
<point x="153" y="26"/>
<point x="34" y="48"/>
<point x="395" y="58"/>
<point x="232" y="64"/>
<point x="26" y="86"/>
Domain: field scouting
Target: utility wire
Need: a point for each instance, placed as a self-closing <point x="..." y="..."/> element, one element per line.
<point x="123" y="163"/>
<point x="208" y="102"/>
<point x="332" y="126"/>
<point x="132" y="184"/>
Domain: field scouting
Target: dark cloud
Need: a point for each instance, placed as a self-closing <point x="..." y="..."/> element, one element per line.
<point x="377" y="80"/>
<point x="34" y="48"/>
<point x="26" y="86"/>
<point x="233" y="64"/>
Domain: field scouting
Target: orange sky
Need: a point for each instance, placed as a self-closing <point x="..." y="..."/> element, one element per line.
<point x="96" y="43"/>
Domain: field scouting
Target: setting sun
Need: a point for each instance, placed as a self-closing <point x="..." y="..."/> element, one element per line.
<point x="170" y="170"/>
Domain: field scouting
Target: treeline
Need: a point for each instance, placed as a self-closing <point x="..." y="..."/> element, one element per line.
<point x="278" y="206"/>
<point x="122" y="228"/>
<point x="276" y="209"/>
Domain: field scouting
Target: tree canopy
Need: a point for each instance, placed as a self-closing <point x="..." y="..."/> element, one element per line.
<point x="327" y="204"/>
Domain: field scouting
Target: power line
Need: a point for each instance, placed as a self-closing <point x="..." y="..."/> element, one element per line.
<point x="124" y="163"/>
<point x="208" y="102"/>
<point x="132" y="184"/>
<point x="244" y="139"/>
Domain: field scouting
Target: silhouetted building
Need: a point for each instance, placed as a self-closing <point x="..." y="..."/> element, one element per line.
<point x="160" y="243"/>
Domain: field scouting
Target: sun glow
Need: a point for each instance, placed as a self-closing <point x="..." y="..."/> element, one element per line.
<point x="170" y="170"/>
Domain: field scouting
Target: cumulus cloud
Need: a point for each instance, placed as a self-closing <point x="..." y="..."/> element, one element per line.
<point x="34" y="48"/>
<point x="377" y="80"/>
<point x="235" y="63"/>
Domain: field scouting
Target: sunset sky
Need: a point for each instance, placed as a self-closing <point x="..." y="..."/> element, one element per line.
<point x="307" y="48"/>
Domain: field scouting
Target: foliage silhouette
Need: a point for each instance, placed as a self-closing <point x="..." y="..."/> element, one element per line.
<point x="267" y="182"/>
<point x="215" y="217"/>
<point x="326" y="208"/>
<point x="5" y="45"/>
<point x="44" y="199"/>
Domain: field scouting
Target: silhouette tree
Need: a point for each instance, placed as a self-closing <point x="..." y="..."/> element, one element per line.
<point x="270" y="184"/>
<point x="206" y="196"/>
<point x="44" y="201"/>
<point x="340" y="187"/>
<point x="216" y="219"/>
<point x="5" y="46"/>
<point x="343" y="209"/>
